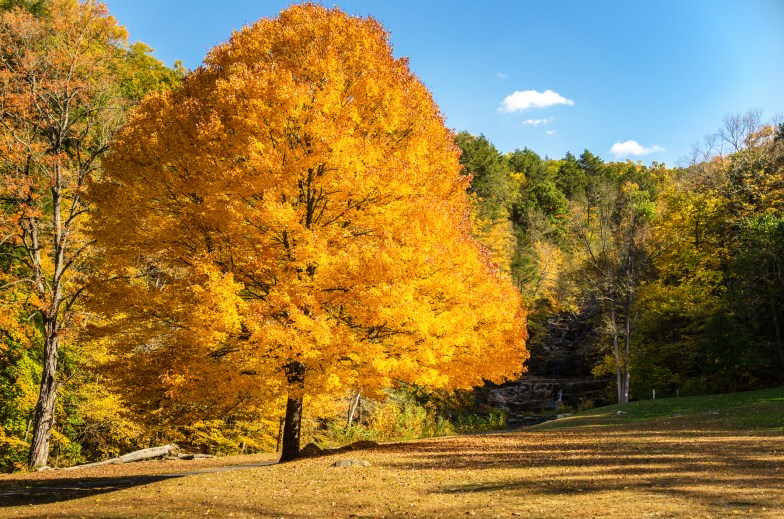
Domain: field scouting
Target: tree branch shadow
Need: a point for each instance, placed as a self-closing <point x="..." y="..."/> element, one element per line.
<point x="55" y="490"/>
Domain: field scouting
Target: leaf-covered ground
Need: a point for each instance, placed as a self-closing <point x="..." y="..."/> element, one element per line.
<point x="706" y="461"/>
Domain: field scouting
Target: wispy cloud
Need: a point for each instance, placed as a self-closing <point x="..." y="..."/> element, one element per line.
<point x="537" y="122"/>
<point x="528" y="99"/>
<point x="550" y="132"/>
<point x="624" y="149"/>
<point x="501" y="75"/>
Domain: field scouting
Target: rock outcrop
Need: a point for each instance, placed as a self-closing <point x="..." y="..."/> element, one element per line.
<point x="542" y="397"/>
<point x="559" y="372"/>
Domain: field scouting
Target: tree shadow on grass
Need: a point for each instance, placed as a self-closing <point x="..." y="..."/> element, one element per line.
<point x="58" y="490"/>
<point x="55" y="490"/>
<point x="720" y="469"/>
<point x="723" y="493"/>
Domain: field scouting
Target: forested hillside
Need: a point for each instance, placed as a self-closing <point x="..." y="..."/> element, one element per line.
<point x="281" y="244"/>
<point x="686" y="263"/>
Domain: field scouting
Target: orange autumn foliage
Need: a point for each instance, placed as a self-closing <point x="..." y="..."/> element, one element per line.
<point x="58" y="109"/>
<point x="298" y="200"/>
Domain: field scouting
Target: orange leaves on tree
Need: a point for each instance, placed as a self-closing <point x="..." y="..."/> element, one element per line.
<point x="299" y="200"/>
<point x="59" y="109"/>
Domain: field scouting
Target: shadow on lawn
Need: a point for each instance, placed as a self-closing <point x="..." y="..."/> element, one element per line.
<point x="55" y="490"/>
<point x="720" y="468"/>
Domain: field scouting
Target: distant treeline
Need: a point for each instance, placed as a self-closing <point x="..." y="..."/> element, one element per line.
<point x="687" y="262"/>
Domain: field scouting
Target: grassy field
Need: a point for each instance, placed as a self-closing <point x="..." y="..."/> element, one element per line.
<point x="751" y="410"/>
<point x="718" y="456"/>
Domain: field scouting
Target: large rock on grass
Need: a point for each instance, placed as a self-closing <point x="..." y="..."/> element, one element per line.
<point x="351" y="463"/>
<point x="311" y="450"/>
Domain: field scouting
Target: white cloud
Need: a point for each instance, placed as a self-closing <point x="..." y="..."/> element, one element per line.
<point x="537" y="122"/>
<point x="622" y="149"/>
<point x="550" y="132"/>
<point x="527" y="99"/>
<point x="501" y="75"/>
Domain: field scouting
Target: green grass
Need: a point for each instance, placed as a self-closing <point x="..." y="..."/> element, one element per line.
<point x="754" y="410"/>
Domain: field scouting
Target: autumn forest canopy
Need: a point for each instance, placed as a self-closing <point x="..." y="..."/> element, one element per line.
<point x="287" y="244"/>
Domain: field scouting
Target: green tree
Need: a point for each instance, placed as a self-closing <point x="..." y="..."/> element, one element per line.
<point x="758" y="284"/>
<point x="708" y="317"/>
<point x="684" y="294"/>
<point x="57" y="87"/>
<point x="612" y="242"/>
<point x="490" y="180"/>
<point x="571" y="179"/>
<point x="35" y="7"/>
<point x="493" y="191"/>
<point x="539" y="214"/>
<point x="140" y="73"/>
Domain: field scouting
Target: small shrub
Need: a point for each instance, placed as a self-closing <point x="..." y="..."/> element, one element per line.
<point x="13" y="453"/>
<point x="63" y="451"/>
<point x="229" y="437"/>
<point x="403" y="415"/>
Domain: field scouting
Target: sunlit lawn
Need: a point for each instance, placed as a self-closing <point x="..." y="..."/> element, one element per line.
<point x="708" y="459"/>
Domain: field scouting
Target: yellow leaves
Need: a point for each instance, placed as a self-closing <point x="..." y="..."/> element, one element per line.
<point x="495" y="234"/>
<point x="217" y="303"/>
<point x="8" y="443"/>
<point x="14" y="327"/>
<point x="304" y="199"/>
<point x="630" y="187"/>
<point x="333" y="383"/>
<point x="551" y="264"/>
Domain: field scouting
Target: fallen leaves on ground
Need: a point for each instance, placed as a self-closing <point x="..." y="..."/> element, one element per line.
<point x="677" y="471"/>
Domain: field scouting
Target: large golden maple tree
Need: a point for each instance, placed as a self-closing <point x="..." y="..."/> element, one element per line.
<point x="294" y="219"/>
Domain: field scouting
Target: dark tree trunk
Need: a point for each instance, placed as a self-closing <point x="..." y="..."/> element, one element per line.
<point x="295" y="374"/>
<point x="627" y="347"/>
<point x="44" y="410"/>
<point x="777" y="329"/>
<point x="617" y="353"/>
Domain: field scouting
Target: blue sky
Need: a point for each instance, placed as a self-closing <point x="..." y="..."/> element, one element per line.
<point x="640" y="80"/>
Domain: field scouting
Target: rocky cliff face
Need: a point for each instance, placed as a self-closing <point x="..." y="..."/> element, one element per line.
<point x="533" y="395"/>
<point x="559" y="371"/>
<point x="568" y="347"/>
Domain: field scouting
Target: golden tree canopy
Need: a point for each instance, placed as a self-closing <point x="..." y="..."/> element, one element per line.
<point x="299" y="199"/>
